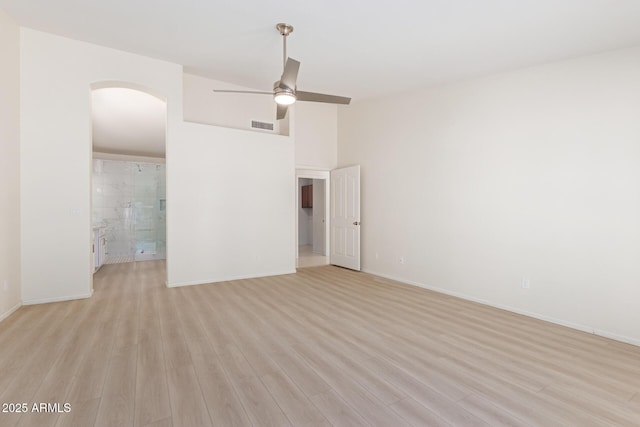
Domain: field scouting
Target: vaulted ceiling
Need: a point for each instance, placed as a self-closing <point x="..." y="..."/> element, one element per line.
<point x="354" y="48"/>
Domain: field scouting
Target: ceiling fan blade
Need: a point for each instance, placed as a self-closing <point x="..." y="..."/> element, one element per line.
<point x="321" y="97"/>
<point x="257" y="92"/>
<point x="290" y="74"/>
<point x="281" y="112"/>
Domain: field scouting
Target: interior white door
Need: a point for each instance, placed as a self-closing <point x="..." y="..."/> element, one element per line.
<point x="345" y="217"/>
<point x="318" y="216"/>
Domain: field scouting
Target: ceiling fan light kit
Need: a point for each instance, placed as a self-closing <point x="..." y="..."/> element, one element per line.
<point x="285" y="90"/>
<point x="283" y="96"/>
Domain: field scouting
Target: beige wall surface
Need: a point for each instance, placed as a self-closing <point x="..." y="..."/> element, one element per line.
<point x="233" y="110"/>
<point x="316" y="135"/>
<point x="314" y="125"/>
<point x="9" y="165"/>
<point x="528" y="175"/>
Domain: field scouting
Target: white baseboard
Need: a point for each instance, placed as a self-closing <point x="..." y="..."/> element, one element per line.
<point x="616" y="337"/>
<point x="579" y="327"/>
<point x="10" y="311"/>
<point x="57" y="299"/>
<point x="228" y="278"/>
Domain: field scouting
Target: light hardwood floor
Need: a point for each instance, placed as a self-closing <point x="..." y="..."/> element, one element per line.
<point x="325" y="346"/>
<point x="308" y="258"/>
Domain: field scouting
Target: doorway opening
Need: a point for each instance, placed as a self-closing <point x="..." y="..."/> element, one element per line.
<point x="312" y="218"/>
<point x="128" y="200"/>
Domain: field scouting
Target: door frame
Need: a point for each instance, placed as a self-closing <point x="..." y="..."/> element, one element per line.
<point x="324" y="175"/>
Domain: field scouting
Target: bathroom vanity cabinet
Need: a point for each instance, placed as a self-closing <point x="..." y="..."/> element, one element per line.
<point x="99" y="247"/>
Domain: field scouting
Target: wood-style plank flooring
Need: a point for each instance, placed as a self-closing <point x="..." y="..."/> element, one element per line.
<point x="308" y="258"/>
<point x="322" y="347"/>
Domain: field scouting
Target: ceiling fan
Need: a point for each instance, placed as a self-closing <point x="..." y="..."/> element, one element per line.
<point x="284" y="90"/>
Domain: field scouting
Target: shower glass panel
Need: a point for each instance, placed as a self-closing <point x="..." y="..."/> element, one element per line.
<point x="129" y="200"/>
<point x="149" y="212"/>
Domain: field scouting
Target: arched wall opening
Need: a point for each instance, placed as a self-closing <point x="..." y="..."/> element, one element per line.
<point x="128" y="174"/>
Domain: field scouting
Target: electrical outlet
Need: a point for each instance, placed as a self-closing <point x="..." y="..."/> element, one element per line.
<point x="402" y="260"/>
<point x="526" y="283"/>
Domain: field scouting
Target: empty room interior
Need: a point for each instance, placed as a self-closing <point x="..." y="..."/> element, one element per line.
<point x="320" y="214"/>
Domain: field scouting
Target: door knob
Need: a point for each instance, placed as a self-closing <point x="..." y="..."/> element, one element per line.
<point x="356" y="222"/>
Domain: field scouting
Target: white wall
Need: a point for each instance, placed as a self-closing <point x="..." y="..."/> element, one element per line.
<point x="203" y="105"/>
<point x="313" y="128"/>
<point x="204" y="164"/>
<point x="315" y="124"/>
<point x="56" y="78"/>
<point x="229" y="197"/>
<point x="316" y="134"/>
<point x="305" y="216"/>
<point x="528" y="173"/>
<point x="9" y="166"/>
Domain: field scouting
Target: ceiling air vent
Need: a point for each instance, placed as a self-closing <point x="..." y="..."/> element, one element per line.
<point x="255" y="124"/>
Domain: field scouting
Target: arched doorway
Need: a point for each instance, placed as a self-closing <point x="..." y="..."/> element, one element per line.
<point x="129" y="176"/>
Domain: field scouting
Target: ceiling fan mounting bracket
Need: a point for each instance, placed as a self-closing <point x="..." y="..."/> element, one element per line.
<point x="284" y="29"/>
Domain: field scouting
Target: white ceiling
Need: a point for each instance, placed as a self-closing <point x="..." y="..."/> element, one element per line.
<point x="127" y="121"/>
<point x="353" y="48"/>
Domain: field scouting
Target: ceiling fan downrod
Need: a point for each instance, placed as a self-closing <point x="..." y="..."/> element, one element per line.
<point x="284" y="30"/>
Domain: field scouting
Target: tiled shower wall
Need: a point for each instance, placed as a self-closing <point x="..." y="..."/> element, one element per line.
<point x="129" y="199"/>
